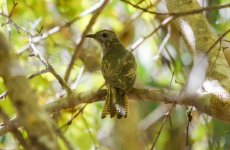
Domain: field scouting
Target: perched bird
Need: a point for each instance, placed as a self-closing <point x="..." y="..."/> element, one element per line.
<point x="119" y="71"/>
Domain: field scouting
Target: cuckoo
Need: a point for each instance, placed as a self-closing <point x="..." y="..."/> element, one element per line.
<point x="119" y="71"/>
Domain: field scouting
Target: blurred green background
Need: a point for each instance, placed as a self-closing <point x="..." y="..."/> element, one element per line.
<point x="159" y="66"/>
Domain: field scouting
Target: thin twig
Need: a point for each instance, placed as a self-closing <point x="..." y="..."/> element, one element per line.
<point x="49" y="67"/>
<point x="216" y="57"/>
<point x="144" y="9"/>
<point x="12" y="11"/>
<point x="189" y="115"/>
<point x="69" y="122"/>
<point x="173" y="16"/>
<point x="10" y="21"/>
<point x="210" y="8"/>
<point x="60" y="134"/>
<point x="140" y="2"/>
<point x="167" y="116"/>
<point x="88" y="129"/>
<point x="196" y="11"/>
<point x="4" y="94"/>
<point x="57" y="29"/>
<point x="226" y="40"/>
<point x="136" y="15"/>
<point x="218" y="40"/>
<point x="13" y="129"/>
<point x="141" y="40"/>
<point x="164" y="42"/>
<point x="78" y="47"/>
<point x="78" y="78"/>
<point x="214" y="44"/>
<point x="43" y="71"/>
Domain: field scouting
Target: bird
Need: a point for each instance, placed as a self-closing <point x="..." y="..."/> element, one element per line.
<point x="119" y="71"/>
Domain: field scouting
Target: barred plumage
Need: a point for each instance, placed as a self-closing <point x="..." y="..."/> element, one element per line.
<point x="119" y="71"/>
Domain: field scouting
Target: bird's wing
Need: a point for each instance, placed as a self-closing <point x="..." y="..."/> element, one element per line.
<point x="119" y="71"/>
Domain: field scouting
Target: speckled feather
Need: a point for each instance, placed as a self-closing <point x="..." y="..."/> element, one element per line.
<point x="119" y="71"/>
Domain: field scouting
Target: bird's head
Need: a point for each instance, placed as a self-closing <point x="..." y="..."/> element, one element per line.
<point x="106" y="38"/>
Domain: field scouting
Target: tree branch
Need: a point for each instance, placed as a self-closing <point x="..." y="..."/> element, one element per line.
<point x="35" y="52"/>
<point x="185" y="12"/>
<point x="199" y="38"/>
<point x="57" y="29"/>
<point x="200" y="102"/>
<point x="35" y="121"/>
<point x="14" y="130"/>
<point x="78" y="47"/>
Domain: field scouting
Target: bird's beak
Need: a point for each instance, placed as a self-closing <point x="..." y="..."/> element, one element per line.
<point x="90" y="36"/>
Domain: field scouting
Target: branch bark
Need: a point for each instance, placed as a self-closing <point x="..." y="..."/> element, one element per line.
<point x="199" y="38"/>
<point x="200" y="101"/>
<point x="141" y="95"/>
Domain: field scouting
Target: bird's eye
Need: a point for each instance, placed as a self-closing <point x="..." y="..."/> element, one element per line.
<point x="104" y="35"/>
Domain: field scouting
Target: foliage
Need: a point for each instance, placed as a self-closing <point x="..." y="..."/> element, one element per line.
<point x="160" y="65"/>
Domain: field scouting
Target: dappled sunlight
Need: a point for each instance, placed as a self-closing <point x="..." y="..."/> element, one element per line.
<point x="156" y="76"/>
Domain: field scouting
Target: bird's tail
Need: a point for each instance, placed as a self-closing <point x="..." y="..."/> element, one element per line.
<point x="116" y="103"/>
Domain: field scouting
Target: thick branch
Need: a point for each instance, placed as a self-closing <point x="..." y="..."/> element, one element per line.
<point x="201" y="102"/>
<point x="199" y="38"/>
<point x="152" y="95"/>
